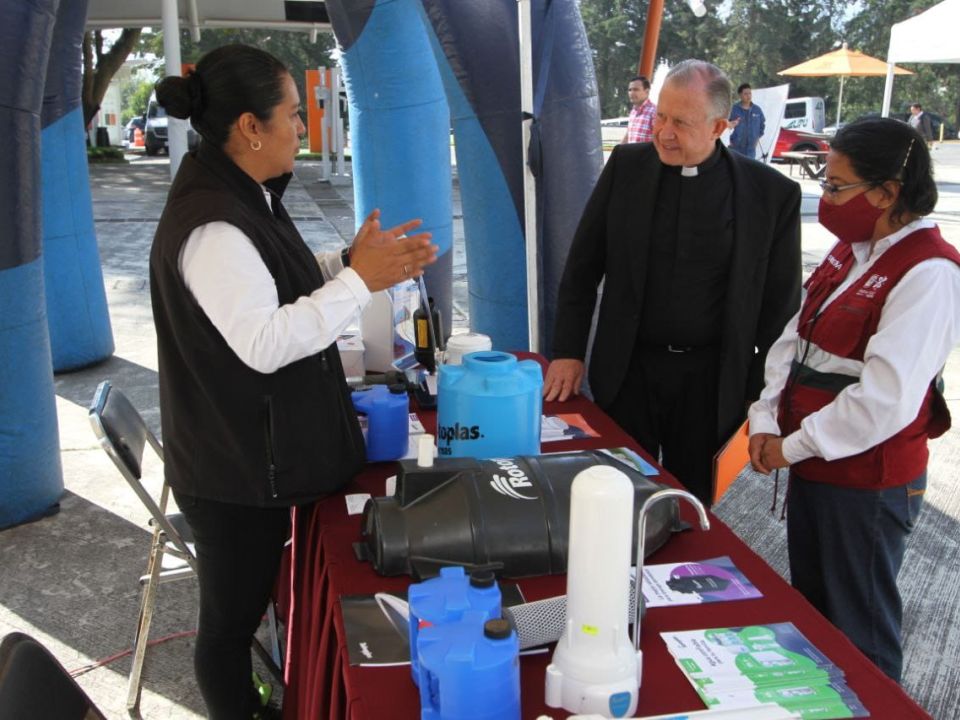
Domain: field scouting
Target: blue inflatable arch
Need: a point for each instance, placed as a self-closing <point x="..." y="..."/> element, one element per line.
<point x="413" y="69"/>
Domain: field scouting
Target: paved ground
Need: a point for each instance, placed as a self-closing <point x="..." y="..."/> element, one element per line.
<point x="70" y="580"/>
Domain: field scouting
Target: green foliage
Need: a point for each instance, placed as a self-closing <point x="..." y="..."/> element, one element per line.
<point x="135" y="96"/>
<point x="752" y="40"/>
<point x="105" y="154"/>
<point x="294" y="49"/>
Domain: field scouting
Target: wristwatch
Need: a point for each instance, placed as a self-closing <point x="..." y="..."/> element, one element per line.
<point x="345" y="256"/>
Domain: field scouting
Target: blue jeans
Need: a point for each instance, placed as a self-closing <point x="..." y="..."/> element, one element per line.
<point x="846" y="546"/>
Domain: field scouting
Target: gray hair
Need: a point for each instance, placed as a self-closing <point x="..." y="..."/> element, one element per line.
<point x="714" y="79"/>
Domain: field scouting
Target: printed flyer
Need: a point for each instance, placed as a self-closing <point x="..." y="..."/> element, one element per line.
<point x="692" y="583"/>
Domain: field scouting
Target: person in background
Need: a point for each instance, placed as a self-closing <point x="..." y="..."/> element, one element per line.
<point x="747" y="122"/>
<point x="255" y="411"/>
<point x="642" y="112"/>
<point x="851" y="390"/>
<point x="699" y="252"/>
<point x="920" y="121"/>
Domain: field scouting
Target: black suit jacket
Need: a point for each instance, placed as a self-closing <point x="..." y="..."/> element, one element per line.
<point x="612" y="243"/>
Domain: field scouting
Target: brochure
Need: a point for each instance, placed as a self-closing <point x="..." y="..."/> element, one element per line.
<point x="747" y="666"/>
<point x="692" y="583"/>
<point x="565" y="426"/>
<point x="632" y="460"/>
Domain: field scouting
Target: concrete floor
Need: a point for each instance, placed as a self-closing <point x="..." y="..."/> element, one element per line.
<point x="70" y="579"/>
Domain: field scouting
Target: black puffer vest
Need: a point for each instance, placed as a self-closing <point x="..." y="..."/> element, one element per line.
<point x="231" y="433"/>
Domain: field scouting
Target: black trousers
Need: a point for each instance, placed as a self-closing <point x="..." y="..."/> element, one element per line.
<point x="668" y="404"/>
<point x="238" y="552"/>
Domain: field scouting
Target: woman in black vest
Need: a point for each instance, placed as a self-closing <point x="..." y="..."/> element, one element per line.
<point x="851" y="391"/>
<point x="255" y="410"/>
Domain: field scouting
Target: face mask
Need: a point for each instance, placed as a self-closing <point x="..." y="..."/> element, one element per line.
<point x="851" y="222"/>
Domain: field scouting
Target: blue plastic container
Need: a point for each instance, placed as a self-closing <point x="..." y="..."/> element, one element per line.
<point x="387" y="410"/>
<point x="469" y="670"/>
<point x="445" y="598"/>
<point x="489" y="406"/>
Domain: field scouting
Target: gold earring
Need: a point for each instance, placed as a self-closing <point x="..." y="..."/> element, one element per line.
<point x="256" y="145"/>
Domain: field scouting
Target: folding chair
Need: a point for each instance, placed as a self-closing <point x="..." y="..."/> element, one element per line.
<point x="33" y="684"/>
<point x="123" y="435"/>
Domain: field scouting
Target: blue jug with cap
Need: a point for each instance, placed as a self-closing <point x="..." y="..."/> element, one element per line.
<point x="470" y="670"/>
<point x="444" y="599"/>
<point x="388" y="410"/>
<point x="489" y="406"/>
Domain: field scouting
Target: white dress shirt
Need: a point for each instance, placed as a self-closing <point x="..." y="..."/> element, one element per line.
<point x="919" y="326"/>
<point x="227" y="277"/>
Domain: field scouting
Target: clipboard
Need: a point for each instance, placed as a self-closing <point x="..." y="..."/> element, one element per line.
<point x="730" y="460"/>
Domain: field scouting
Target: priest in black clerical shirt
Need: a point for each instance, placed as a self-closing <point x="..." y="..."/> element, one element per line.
<point x="699" y="253"/>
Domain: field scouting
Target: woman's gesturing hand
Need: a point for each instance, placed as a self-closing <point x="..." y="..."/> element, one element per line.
<point x="383" y="258"/>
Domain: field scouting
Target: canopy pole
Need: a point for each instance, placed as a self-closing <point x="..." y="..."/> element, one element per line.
<point x="176" y="128"/>
<point x="840" y="101"/>
<point x="651" y="37"/>
<point x="529" y="182"/>
<point x="887" y="90"/>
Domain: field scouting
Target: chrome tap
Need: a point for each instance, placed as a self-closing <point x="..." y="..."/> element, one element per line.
<point x="641" y="534"/>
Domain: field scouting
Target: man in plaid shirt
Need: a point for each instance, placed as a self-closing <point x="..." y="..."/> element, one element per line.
<point x="640" y="127"/>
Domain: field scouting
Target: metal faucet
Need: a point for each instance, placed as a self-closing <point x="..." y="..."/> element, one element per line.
<point x="641" y="535"/>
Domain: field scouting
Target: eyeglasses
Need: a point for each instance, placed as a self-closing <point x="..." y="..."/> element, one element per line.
<point x="831" y="189"/>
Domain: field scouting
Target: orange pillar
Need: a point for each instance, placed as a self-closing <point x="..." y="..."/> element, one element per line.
<point x="650" y="38"/>
<point x="314" y="111"/>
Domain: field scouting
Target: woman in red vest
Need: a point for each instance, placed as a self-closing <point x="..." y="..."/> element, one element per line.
<point x="851" y="390"/>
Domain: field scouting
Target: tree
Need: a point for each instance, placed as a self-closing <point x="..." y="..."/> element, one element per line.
<point x="135" y="96"/>
<point x="97" y="75"/>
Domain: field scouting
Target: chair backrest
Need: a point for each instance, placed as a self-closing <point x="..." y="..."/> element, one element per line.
<point x="121" y="430"/>
<point x="33" y="684"/>
<point x="123" y="435"/>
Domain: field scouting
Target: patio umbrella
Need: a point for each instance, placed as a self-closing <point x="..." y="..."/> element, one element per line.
<point x="845" y="63"/>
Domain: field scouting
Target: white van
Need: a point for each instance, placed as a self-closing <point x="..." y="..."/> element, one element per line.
<point x="804" y="113"/>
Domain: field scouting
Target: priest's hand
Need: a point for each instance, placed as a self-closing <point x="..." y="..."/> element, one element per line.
<point x="563" y="379"/>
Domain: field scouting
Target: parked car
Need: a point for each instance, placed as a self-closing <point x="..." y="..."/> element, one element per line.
<point x="795" y="141"/>
<point x="612" y="130"/>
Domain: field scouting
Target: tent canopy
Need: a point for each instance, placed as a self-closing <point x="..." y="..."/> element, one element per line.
<point x="930" y="37"/>
<point x="304" y="15"/>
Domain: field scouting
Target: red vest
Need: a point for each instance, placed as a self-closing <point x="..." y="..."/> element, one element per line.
<point x="843" y="329"/>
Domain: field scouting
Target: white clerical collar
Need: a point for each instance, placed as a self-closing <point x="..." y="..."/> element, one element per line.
<point x="689" y="171"/>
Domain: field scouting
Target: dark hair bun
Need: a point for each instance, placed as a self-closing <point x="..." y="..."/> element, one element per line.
<point x="175" y="94"/>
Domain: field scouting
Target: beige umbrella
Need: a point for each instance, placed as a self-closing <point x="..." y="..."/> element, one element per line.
<point x="845" y="63"/>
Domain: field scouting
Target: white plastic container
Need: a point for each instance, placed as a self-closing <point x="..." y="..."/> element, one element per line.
<point x="595" y="668"/>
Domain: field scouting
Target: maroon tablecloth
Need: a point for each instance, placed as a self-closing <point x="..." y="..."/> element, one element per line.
<point x="322" y="684"/>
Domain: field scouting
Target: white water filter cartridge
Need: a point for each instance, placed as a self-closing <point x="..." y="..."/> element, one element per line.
<point x="595" y="668"/>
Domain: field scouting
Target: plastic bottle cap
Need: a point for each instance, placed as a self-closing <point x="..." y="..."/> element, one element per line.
<point x="498" y="629"/>
<point x="482" y="578"/>
<point x="425" y="451"/>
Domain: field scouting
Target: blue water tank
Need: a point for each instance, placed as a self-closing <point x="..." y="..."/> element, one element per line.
<point x="388" y="411"/>
<point x="445" y="598"/>
<point x="470" y="670"/>
<point x="489" y="406"/>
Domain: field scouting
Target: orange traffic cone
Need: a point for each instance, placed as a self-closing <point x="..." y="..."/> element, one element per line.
<point x="138" y="137"/>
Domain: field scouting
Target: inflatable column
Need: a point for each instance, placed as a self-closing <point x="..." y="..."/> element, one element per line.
<point x="399" y="125"/>
<point x="477" y="48"/>
<point x="76" y="302"/>
<point x="31" y="480"/>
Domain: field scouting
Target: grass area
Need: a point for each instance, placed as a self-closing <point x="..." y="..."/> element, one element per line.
<point x="105" y="154"/>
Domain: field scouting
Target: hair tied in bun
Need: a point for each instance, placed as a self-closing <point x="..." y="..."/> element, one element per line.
<point x="194" y="87"/>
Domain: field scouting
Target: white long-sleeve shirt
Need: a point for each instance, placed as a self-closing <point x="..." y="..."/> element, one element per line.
<point x="919" y="326"/>
<point x="227" y="277"/>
